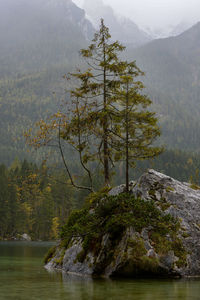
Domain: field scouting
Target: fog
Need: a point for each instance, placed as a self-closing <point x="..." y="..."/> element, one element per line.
<point x="156" y="13"/>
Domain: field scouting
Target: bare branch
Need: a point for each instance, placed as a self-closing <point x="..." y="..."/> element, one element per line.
<point x="66" y="166"/>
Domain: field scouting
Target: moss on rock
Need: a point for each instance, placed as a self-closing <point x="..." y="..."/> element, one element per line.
<point x="113" y="215"/>
<point x="50" y="254"/>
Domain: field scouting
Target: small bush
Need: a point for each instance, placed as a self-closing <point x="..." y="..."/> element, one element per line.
<point x="195" y="186"/>
<point x="50" y="254"/>
<point x="113" y="214"/>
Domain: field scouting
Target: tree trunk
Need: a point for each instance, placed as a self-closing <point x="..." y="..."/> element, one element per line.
<point x="105" y="125"/>
<point x="127" y="142"/>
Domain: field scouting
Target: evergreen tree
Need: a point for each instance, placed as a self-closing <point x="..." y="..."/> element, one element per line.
<point x="105" y="119"/>
<point x="13" y="210"/>
<point x="97" y="88"/>
<point x="4" y="196"/>
<point x="116" y="115"/>
<point x="135" y="127"/>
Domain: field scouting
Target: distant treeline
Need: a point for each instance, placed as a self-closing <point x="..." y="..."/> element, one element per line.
<point x="183" y="166"/>
<point x="34" y="201"/>
<point x="37" y="200"/>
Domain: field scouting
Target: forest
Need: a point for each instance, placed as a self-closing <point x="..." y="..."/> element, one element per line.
<point x="38" y="199"/>
<point x="35" y="192"/>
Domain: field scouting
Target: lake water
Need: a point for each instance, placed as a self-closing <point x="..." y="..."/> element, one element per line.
<point x="23" y="277"/>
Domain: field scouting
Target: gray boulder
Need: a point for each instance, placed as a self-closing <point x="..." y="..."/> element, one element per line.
<point x="25" y="237"/>
<point x="135" y="253"/>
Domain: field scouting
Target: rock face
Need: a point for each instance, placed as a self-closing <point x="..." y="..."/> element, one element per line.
<point x="180" y="200"/>
<point x="121" y="28"/>
<point x="38" y="34"/>
<point x="25" y="237"/>
<point x="184" y="203"/>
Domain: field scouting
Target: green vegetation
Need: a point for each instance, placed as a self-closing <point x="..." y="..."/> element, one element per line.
<point x="33" y="61"/>
<point x="139" y="261"/>
<point x="28" y="206"/>
<point x="39" y="44"/>
<point x="113" y="215"/>
<point x="136" y="126"/>
<point x="34" y="200"/>
<point x="180" y="165"/>
<point x="169" y="64"/>
<point x="170" y="189"/>
<point x="29" y="75"/>
<point x="50" y="254"/>
<point x="106" y="119"/>
<point x="38" y="201"/>
<point x="195" y="186"/>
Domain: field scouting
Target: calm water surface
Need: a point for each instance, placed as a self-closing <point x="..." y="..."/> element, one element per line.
<point x="22" y="277"/>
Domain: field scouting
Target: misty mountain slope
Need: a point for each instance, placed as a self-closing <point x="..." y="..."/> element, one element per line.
<point x="40" y="40"/>
<point x="24" y="101"/>
<point x="172" y="61"/>
<point x="121" y="28"/>
<point x="172" y="69"/>
<point x="168" y="31"/>
<point x="181" y="27"/>
<point x="35" y="34"/>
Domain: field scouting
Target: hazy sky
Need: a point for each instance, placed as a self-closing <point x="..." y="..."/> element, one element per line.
<point x="156" y="13"/>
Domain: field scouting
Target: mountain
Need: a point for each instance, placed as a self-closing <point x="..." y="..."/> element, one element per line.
<point x="40" y="33"/>
<point x="180" y="28"/>
<point x="168" y="31"/>
<point x="172" y="67"/>
<point x="159" y="33"/>
<point x="121" y="28"/>
<point x="40" y="42"/>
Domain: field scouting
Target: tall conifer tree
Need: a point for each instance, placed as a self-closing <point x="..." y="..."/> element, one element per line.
<point x="135" y="127"/>
<point x="106" y="120"/>
<point x="98" y="85"/>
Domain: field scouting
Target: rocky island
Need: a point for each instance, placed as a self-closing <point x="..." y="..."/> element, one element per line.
<point x="153" y="231"/>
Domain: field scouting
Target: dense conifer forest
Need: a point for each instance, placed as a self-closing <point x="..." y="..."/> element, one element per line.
<point x="35" y="196"/>
<point x="37" y="200"/>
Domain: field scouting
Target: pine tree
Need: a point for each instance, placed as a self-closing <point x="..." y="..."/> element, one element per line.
<point x="105" y="119"/>
<point x="4" y="196"/>
<point x="135" y="127"/>
<point x="97" y="88"/>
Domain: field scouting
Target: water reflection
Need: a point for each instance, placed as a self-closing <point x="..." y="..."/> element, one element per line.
<point x="85" y="288"/>
<point x="22" y="276"/>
